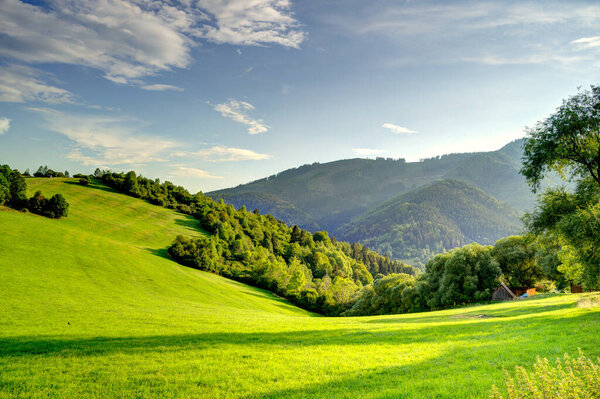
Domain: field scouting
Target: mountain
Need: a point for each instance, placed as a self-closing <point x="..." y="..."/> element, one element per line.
<point x="431" y="219"/>
<point x="268" y="203"/>
<point x="331" y="195"/>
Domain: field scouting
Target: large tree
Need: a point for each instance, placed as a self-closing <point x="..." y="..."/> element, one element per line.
<point x="568" y="141"/>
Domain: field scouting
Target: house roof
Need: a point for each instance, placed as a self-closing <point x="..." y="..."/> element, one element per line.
<point x="508" y="290"/>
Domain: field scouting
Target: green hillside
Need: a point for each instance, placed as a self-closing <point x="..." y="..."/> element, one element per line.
<point x="432" y="219"/>
<point x="90" y="306"/>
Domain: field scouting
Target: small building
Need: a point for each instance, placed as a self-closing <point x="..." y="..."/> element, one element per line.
<point x="503" y="293"/>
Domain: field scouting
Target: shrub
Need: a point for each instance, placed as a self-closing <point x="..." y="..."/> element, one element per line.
<point x="571" y="378"/>
<point x="84" y="181"/>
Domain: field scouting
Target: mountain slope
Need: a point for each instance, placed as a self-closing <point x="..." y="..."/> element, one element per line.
<point x="268" y="203"/>
<point x="431" y="219"/>
<point x="333" y="193"/>
<point x="90" y="307"/>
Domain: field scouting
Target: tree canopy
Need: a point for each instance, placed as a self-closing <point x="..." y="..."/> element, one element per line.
<point x="568" y="141"/>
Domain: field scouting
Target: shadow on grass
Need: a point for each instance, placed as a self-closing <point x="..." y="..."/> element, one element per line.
<point x="472" y="332"/>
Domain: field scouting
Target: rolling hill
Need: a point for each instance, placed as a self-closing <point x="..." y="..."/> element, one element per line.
<point x="90" y="306"/>
<point x="432" y="219"/>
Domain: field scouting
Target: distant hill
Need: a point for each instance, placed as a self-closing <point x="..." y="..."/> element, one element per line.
<point x="431" y="219"/>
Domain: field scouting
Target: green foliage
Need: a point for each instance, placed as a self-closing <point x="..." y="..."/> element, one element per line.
<point x="84" y="181"/>
<point x="516" y="256"/>
<point x="573" y="218"/>
<point x="568" y="141"/>
<point x="463" y="275"/>
<point x="385" y="296"/>
<point x="433" y="219"/>
<point x="570" y="379"/>
<point x="55" y="207"/>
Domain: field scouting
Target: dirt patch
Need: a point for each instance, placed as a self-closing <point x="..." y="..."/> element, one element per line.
<point x="472" y="316"/>
<point x="589" y="302"/>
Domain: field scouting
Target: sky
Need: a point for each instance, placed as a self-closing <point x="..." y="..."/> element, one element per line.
<point x="209" y="94"/>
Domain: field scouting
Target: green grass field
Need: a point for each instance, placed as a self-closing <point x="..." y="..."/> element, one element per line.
<point x="90" y="306"/>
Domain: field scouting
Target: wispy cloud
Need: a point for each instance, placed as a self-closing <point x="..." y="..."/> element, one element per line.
<point x="132" y="39"/>
<point x="105" y="140"/>
<point x="398" y="129"/>
<point x="183" y="171"/>
<point x="4" y="125"/>
<point x="587" y="42"/>
<point x="161" y="87"/>
<point x="223" y="154"/>
<point x="19" y="84"/>
<point x="238" y="112"/>
<point x="487" y="32"/>
<point x="368" y="152"/>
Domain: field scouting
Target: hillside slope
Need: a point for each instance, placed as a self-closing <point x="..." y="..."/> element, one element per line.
<point x="333" y="193"/>
<point x="431" y="219"/>
<point x="90" y="307"/>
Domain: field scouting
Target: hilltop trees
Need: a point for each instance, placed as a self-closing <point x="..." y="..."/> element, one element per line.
<point x="13" y="192"/>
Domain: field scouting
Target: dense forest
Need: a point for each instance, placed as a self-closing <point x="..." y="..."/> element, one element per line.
<point x="310" y="269"/>
<point x="433" y="219"/>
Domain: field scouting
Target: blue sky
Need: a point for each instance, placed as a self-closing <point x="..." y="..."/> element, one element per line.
<point x="210" y="94"/>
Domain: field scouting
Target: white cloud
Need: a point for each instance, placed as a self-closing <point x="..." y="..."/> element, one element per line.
<point x="256" y="22"/>
<point x="4" y="125"/>
<point x="161" y="87"/>
<point x="368" y="152"/>
<point x="398" y="129"/>
<point x="238" y="111"/>
<point x="19" y="84"/>
<point x="183" y="171"/>
<point x="587" y="42"/>
<point x="105" y="140"/>
<point x="224" y="154"/>
<point x="131" y="39"/>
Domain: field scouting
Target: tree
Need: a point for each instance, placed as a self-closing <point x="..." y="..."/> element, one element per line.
<point x="516" y="256"/>
<point x="568" y="141"/>
<point x="57" y="206"/>
<point x="18" y="189"/>
<point x="130" y="184"/>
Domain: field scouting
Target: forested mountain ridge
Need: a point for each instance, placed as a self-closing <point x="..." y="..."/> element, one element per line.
<point x="432" y="219"/>
<point x="334" y="193"/>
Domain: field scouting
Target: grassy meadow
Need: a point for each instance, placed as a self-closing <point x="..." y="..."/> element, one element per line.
<point x="91" y="306"/>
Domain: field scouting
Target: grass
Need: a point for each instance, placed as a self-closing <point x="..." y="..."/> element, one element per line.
<point x="90" y="306"/>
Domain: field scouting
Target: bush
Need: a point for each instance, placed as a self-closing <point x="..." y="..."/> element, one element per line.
<point x="84" y="181"/>
<point x="571" y="378"/>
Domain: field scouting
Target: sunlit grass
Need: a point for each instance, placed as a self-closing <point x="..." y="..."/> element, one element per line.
<point x="90" y="306"/>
